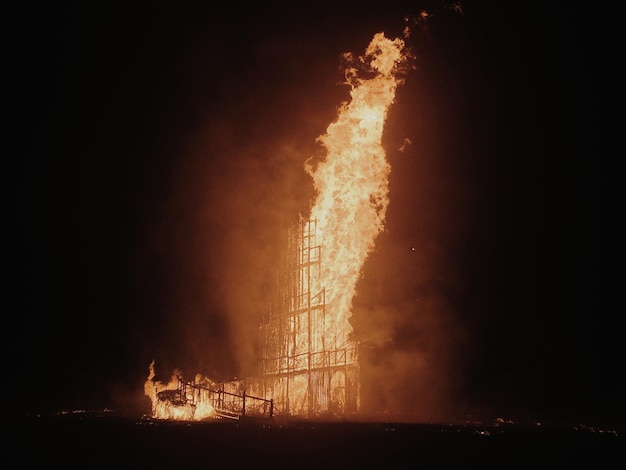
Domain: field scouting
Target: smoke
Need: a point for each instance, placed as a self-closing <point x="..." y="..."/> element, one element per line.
<point x="227" y="221"/>
<point x="411" y="305"/>
<point x="237" y="187"/>
<point x="406" y="319"/>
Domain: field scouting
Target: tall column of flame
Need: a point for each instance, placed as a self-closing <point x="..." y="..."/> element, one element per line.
<point x="352" y="181"/>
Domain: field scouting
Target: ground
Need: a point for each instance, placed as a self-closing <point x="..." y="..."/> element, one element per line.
<point x="82" y="439"/>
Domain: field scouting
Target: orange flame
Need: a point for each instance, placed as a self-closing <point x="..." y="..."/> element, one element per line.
<point x="351" y="201"/>
<point x="352" y="181"/>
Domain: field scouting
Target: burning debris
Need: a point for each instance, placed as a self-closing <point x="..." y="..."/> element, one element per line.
<point x="202" y="399"/>
<point x="309" y="359"/>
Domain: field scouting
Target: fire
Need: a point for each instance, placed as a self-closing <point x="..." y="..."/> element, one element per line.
<point x="173" y="401"/>
<point x="309" y="356"/>
<point x="352" y="181"/>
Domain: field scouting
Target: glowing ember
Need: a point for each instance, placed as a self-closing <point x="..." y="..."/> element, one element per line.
<point x="306" y="367"/>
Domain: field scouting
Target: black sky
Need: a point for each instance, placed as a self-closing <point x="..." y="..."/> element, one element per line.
<point x="159" y="161"/>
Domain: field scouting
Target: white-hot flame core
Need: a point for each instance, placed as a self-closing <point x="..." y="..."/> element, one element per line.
<point x="352" y="181"/>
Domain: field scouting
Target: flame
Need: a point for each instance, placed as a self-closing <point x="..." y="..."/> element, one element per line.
<point x="170" y="401"/>
<point x="352" y="181"/>
<point x="352" y="195"/>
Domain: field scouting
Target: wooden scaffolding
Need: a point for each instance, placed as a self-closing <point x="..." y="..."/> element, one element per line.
<point x="302" y="368"/>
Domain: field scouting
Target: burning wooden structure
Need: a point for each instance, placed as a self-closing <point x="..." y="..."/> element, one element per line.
<point x="308" y="365"/>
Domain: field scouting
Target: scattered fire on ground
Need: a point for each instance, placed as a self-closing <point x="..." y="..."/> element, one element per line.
<point x="309" y="361"/>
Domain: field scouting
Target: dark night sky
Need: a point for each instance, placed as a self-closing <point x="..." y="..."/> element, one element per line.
<point x="159" y="161"/>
